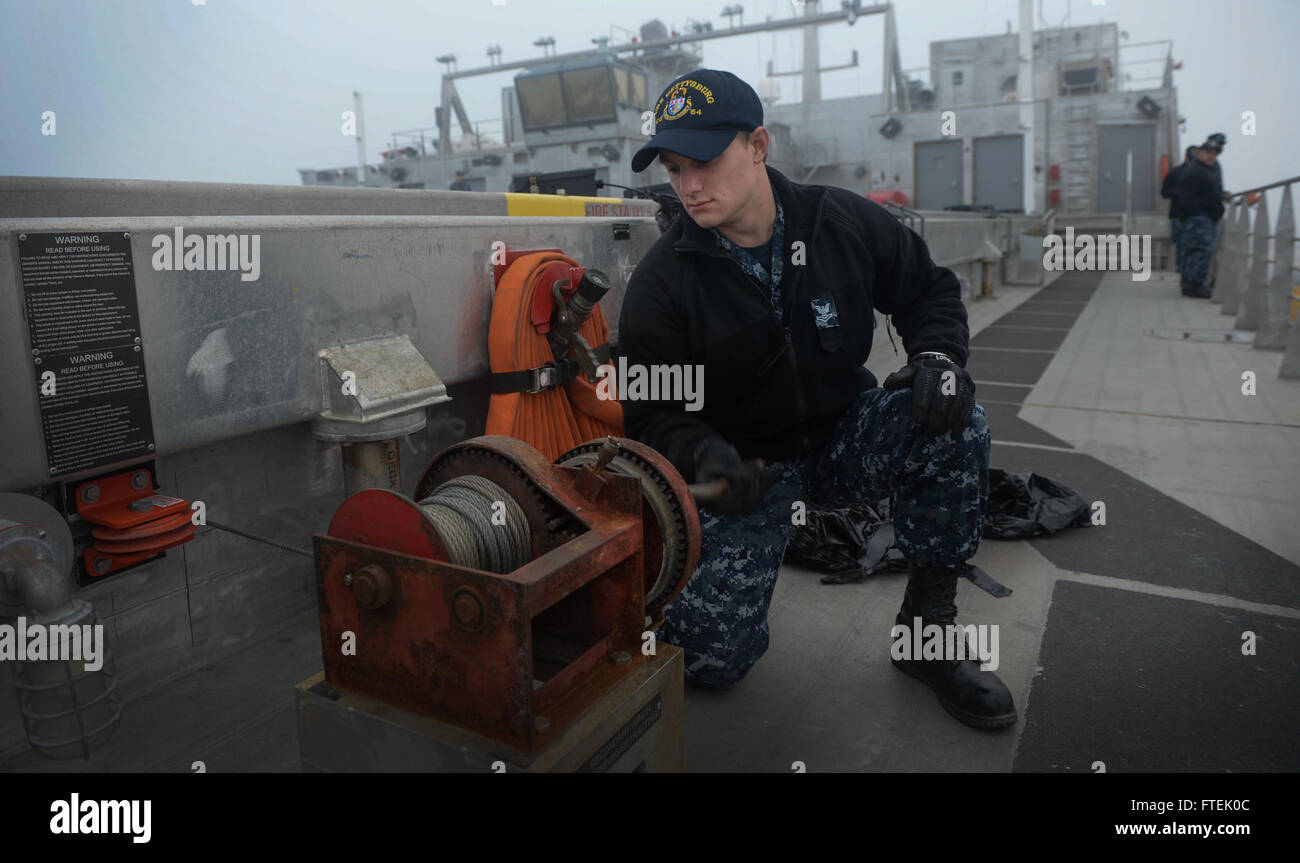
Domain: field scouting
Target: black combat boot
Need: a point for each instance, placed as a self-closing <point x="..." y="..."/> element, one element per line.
<point x="977" y="698"/>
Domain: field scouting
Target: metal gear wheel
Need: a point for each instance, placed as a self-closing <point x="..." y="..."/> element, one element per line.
<point x="672" y="537"/>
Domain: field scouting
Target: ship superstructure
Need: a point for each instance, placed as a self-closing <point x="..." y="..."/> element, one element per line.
<point x="1013" y="122"/>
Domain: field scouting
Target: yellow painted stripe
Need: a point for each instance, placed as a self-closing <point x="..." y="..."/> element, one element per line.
<point x="522" y="204"/>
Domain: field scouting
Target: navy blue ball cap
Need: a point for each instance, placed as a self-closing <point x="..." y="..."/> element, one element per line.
<point x="698" y="116"/>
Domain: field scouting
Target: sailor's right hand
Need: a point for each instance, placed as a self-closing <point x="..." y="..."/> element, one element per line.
<point x="747" y="481"/>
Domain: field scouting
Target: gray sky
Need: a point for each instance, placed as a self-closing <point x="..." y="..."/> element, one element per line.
<point x="249" y="91"/>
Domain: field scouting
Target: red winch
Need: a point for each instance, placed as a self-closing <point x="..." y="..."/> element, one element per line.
<point x="509" y="594"/>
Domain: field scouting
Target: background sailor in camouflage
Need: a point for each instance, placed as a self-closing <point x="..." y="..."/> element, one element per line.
<point x="1198" y="205"/>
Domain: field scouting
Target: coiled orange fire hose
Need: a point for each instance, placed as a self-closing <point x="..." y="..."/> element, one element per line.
<point x="552" y="420"/>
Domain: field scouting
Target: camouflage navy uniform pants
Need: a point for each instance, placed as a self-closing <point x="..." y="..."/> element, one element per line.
<point x="940" y="489"/>
<point x="1196" y="244"/>
<point x="1176" y="235"/>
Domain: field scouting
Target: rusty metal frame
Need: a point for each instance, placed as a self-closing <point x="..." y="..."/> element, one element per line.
<point x="517" y="657"/>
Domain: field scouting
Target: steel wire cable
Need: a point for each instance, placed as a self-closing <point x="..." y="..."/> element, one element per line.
<point x="462" y="511"/>
<point x="517" y="541"/>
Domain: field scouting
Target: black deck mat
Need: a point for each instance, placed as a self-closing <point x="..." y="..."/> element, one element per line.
<point x="1008" y="367"/>
<point x="1002" y="393"/>
<point x="1052" y="320"/>
<point x="1149" y="683"/>
<point x="1151" y="537"/>
<point x="1002" y="336"/>
<point x="1070" y="307"/>
<point x="1004" y="425"/>
<point x="1082" y="288"/>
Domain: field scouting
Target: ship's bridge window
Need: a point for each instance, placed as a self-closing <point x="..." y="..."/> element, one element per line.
<point x="620" y="86"/>
<point x="568" y="97"/>
<point x="629" y="88"/>
<point x="638" y="90"/>
<point x="541" y="101"/>
<point x="589" y="95"/>
<point x="1080" y="77"/>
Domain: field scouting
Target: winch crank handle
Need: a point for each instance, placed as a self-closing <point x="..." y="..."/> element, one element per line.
<point x="704" y="492"/>
<point x="707" y="492"/>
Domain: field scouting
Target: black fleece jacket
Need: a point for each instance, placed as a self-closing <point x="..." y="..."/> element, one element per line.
<point x="1169" y="187"/>
<point x="776" y="387"/>
<point x="1199" y="191"/>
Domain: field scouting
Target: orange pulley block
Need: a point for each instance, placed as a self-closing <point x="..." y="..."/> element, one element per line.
<point x="132" y="522"/>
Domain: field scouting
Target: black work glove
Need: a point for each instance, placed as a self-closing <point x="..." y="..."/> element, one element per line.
<point x="938" y="405"/>
<point x="747" y="481"/>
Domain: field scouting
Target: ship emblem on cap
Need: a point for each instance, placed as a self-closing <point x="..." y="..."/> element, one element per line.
<point x="677" y="105"/>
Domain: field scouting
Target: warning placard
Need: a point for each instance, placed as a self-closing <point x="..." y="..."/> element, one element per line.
<point x="87" y="353"/>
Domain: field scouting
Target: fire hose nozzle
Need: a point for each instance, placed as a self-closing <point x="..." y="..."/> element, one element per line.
<point x="570" y="315"/>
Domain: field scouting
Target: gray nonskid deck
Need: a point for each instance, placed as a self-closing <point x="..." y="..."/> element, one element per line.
<point x="1121" y="643"/>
